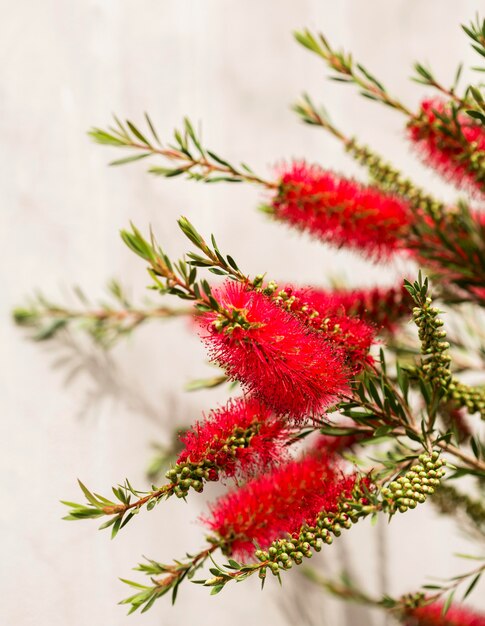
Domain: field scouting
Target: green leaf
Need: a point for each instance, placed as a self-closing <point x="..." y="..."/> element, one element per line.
<point x="116" y="526"/>
<point x="219" y="160"/>
<point x="232" y="263"/>
<point x="190" y="131"/>
<point x="167" y="172"/>
<point x="472" y="585"/>
<point x="50" y="330"/>
<point x="107" y="524"/>
<point x="130" y="159"/>
<point x="137" y="133"/>
<point x="152" y="128"/>
<point x="382" y="431"/>
<point x="89" y="496"/>
<point x="447" y="603"/>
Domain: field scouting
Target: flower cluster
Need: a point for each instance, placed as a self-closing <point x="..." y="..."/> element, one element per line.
<point x="278" y="504"/>
<point x="341" y="211"/>
<point x="284" y="363"/>
<point x="432" y="615"/>
<point x="242" y="437"/>
<point x="446" y="140"/>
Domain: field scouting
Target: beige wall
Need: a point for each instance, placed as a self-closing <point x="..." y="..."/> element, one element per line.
<point x="66" y="412"/>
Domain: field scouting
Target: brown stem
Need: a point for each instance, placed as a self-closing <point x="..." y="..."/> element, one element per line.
<point x="176" y="155"/>
<point x="183" y="569"/>
<point x="138" y="315"/>
<point x="458" y="580"/>
<point x="451" y="449"/>
<point x="122" y="508"/>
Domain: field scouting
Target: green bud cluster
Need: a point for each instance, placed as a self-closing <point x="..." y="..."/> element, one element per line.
<point x="472" y="398"/>
<point x="436" y="368"/>
<point x="412" y="600"/>
<point x="231" y="319"/>
<point x="283" y="553"/>
<point x="390" y="179"/>
<point x="287" y="301"/>
<point x="258" y="281"/>
<point x="186" y="475"/>
<point x="411" y="489"/>
<point x="270" y="288"/>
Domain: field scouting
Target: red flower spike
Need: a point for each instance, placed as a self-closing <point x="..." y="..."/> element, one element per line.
<point x="447" y="154"/>
<point x="242" y="437"/>
<point x="432" y="615"/>
<point x="287" y="365"/>
<point x="351" y="336"/>
<point x="381" y="307"/>
<point x="278" y="503"/>
<point x="340" y="211"/>
<point x="332" y="446"/>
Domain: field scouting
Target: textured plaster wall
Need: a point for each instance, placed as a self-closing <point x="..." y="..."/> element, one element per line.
<point x="68" y="411"/>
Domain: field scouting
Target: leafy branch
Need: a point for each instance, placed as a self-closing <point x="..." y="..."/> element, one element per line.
<point x="476" y="31"/>
<point x="120" y="511"/>
<point x="472" y="102"/>
<point x="104" y="322"/>
<point x="186" y="152"/>
<point x="171" y="577"/>
<point x="450" y="587"/>
<point x="347" y="71"/>
<point x="425" y="76"/>
<point x="181" y="278"/>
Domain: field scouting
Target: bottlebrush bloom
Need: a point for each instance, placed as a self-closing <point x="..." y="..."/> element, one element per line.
<point x="341" y="211"/>
<point x="450" y="153"/>
<point x="332" y="446"/>
<point x="352" y="336"/>
<point x="287" y="365"/>
<point x="278" y="503"/>
<point x="243" y="436"/>
<point x="381" y="307"/>
<point x="432" y="615"/>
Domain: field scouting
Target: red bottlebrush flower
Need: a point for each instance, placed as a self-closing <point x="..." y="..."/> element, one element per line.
<point x="243" y="436"/>
<point x="351" y="336"/>
<point x="341" y="211"/>
<point x="381" y="307"/>
<point x="449" y="152"/>
<point x="287" y="365"/>
<point x="432" y="615"/>
<point x="278" y="503"/>
<point x="332" y="446"/>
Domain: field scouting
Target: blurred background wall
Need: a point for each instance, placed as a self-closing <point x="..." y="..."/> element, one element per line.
<point x="69" y="411"/>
